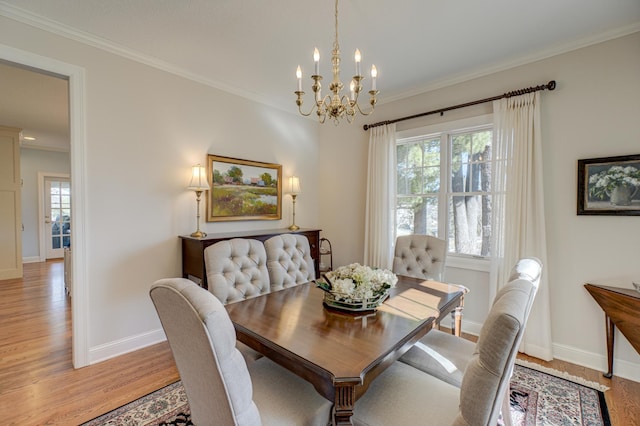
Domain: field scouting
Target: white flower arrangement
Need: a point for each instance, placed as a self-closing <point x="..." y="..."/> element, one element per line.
<point x="605" y="181"/>
<point x="355" y="282"/>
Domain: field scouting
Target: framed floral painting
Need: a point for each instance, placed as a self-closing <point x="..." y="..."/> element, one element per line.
<point x="609" y="186"/>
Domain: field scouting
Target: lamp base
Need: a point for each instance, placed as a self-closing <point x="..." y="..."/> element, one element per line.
<point x="294" y="227"/>
<point x="199" y="234"/>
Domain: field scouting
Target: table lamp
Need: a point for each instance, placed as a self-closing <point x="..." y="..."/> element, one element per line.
<point x="198" y="184"/>
<point x="294" y="185"/>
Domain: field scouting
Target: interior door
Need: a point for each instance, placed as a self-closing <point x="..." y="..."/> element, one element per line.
<point x="57" y="216"/>
<point x="10" y="204"/>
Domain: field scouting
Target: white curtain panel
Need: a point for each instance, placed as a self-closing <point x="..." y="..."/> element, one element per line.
<point x="518" y="209"/>
<point x="381" y="197"/>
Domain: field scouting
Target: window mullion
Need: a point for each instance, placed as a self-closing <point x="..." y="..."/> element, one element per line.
<point x="443" y="204"/>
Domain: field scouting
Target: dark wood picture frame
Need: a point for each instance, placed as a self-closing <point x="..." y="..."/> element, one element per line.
<point x="599" y="188"/>
<point x="243" y="190"/>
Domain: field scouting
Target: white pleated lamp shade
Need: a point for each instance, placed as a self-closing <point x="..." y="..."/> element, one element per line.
<point x="198" y="179"/>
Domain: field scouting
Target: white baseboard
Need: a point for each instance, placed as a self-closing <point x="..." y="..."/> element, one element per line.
<point x="470" y="327"/>
<point x="120" y="347"/>
<point x="621" y="368"/>
<point x="31" y="259"/>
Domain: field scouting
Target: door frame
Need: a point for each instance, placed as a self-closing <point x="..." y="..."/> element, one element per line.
<point x="77" y="128"/>
<point x="42" y="240"/>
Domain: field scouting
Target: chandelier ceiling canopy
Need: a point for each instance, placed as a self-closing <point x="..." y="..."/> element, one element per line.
<point x="336" y="105"/>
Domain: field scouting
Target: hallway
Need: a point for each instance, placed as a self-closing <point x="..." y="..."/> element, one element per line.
<point x="38" y="384"/>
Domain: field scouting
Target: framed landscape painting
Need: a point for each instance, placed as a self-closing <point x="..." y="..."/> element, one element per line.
<point x="243" y="190"/>
<point x="609" y="186"/>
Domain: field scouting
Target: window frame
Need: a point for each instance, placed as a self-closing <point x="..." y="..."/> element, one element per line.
<point x="444" y="130"/>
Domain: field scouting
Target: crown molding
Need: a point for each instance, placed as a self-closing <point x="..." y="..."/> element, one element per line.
<point x="513" y="63"/>
<point x="21" y="15"/>
<point x="57" y="28"/>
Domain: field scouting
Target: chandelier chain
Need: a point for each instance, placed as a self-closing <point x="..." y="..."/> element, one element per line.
<point x="335" y="43"/>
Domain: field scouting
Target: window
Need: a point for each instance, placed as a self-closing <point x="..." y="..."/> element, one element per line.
<point x="444" y="185"/>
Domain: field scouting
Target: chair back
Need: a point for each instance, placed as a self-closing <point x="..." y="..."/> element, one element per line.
<point x="289" y="261"/>
<point x="420" y="256"/>
<point x="237" y="269"/>
<point x="485" y="383"/>
<point x="202" y="339"/>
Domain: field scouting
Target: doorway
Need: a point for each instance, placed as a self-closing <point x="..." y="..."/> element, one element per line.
<point x="77" y="121"/>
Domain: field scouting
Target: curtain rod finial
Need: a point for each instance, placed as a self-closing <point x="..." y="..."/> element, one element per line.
<point x="551" y="85"/>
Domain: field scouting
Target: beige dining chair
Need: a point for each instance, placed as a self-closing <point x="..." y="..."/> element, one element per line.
<point x="423" y="256"/>
<point x="220" y="388"/>
<point x="289" y="261"/>
<point x="236" y="269"/>
<point x="420" y="256"/>
<point x="446" y="356"/>
<point x="405" y="395"/>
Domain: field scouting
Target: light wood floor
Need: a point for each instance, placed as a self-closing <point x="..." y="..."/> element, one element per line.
<point x="38" y="384"/>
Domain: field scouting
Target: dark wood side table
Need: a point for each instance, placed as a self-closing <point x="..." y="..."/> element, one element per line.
<point x="193" y="266"/>
<point x="621" y="308"/>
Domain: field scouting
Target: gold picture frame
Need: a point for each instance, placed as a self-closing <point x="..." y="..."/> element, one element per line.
<point x="243" y="189"/>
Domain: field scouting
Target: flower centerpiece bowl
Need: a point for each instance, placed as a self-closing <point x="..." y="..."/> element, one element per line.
<point x="356" y="287"/>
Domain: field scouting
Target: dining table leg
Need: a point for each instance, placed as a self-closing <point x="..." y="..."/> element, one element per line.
<point x="344" y="402"/>
<point x="457" y="317"/>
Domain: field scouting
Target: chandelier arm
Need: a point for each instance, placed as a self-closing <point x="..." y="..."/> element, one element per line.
<point x="365" y="113"/>
<point x="305" y="114"/>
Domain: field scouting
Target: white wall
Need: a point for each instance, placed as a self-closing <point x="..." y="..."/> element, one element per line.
<point x="33" y="161"/>
<point x="145" y="129"/>
<point x="593" y="113"/>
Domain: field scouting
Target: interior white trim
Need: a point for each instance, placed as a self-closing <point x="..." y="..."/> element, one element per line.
<point x="621" y="368"/>
<point x="80" y="299"/>
<point x="21" y="15"/>
<point x="42" y="250"/>
<point x="62" y="30"/>
<point x="128" y="344"/>
<point x="537" y="56"/>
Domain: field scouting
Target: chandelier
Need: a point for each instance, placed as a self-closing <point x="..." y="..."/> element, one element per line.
<point x="335" y="105"/>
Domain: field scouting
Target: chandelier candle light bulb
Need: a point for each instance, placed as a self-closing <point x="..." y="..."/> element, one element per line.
<point x="374" y="76"/>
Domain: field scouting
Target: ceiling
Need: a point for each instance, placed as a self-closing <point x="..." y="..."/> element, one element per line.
<point x="252" y="47"/>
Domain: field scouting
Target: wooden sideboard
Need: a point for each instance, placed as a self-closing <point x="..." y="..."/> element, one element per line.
<point x="621" y="308"/>
<point x="193" y="266"/>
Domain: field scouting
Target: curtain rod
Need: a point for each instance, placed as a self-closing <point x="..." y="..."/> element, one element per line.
<point x="549" y="86"/>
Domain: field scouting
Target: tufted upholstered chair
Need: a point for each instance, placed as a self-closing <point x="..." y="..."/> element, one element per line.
<point x="404" y="395"/>
<point x="221" y="390"/>
<point x="420" y="256"/>
<point x="446" y="356"/>
<point x="237" y="269"/>
<point x="289" y="261"/>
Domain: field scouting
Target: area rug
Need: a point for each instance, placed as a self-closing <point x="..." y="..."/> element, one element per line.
<point x="537" y="398"/>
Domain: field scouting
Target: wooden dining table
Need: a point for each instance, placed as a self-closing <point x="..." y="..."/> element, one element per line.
<point x="341" y="353"/>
